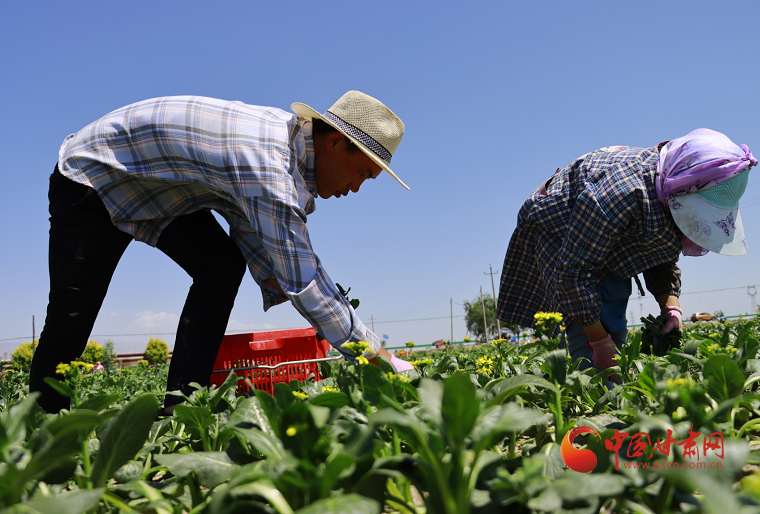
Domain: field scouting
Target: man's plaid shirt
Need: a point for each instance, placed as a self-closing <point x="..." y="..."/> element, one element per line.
<point x="599" y="214"/>
<point x="155" y="160"/>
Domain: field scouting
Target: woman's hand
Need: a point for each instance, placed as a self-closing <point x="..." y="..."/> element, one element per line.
<point x="671" y="309"/>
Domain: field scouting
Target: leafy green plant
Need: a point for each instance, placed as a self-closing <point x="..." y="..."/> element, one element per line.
<point x="653" y="342"/>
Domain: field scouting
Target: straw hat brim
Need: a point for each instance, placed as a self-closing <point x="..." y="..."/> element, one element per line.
<point x="309" y="113"/>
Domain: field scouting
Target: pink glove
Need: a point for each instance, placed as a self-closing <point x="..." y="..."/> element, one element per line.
<point x="400" y="365"/>
<point x="673" y="315"/>
<point x="604" y="351"/>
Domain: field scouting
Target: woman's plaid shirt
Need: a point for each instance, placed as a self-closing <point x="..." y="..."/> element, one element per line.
<point x="158" y="159"/>
<point x="600" y="213"/>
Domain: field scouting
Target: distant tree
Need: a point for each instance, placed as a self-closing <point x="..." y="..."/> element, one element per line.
<point x="109" y="360"/>
<point x="157" y="351"/>
<point x="719" y="313"/>
<point x="21" y="358"/>
<point x="473" y="316"/>
<point x="93" y="352"/>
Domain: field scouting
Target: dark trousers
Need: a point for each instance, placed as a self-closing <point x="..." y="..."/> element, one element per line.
<point x="85" y="248"/>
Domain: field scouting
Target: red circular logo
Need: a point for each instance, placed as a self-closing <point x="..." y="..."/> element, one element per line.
<point x="582" y="461"/>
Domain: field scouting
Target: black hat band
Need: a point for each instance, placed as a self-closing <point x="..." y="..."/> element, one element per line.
<point x="360" y="136"/>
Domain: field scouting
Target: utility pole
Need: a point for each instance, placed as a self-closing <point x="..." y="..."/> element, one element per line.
<point x="493" y="288"/>
<point x="451" y="303"/>
<point x="34" y="337"/>
<point x="372" y="319"/>
<point x="485" y="323"/>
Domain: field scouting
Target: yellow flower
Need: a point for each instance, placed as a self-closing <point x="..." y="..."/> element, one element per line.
<point x="554" y="317"/>
<point x="671" y="383"/>
<point x="362" y="360"/>
<point x="524" y="357"/>
<point x="330" y="389"/>
<point x="299" y="394"/>
<point x="396" y="376"/>
<point x="484" y="361"/>
<point x="352" y="348"/>
<point x="485" y="370"/>
<point x="291" y="431"/>
<point x="62" y="368"/>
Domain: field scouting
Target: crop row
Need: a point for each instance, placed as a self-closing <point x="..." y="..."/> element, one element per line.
<point x="470" y="430"/>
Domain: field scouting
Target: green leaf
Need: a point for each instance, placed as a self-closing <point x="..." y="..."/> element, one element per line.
<point x="634" y="347"/>
<point x="61" y="387"/>
<point x="409" y="388"/>
<point x="332" y="399"/>
<point x="215" y="396"/>
<point x="124" y="436"/>
<point x="132" y="470"/>
<point x="375" y="385"/>
<point x="725" y="378"/>
<point x="577" y="486"/>
<point x="498" y="421"/>
<point x="265" y="443"/>
<point x="691" y="346"/>
<point x="556" y="361"/>
<point x="67" y="432"/>
<point x="13" y="422"/>
<point x="196" y="419"/>
<point x="211" y="468"/>
<point x="459" y="408"/>
<point x="74" y="502"/>
<point x="352" y="503"/>
<point x="431" y="394"/>
<point x="506" y="387"/>
<point x="249" y="411"/>
<point x="100" y="402"/>
<point x="271" y="410"/>
<point x="262" y="488"/>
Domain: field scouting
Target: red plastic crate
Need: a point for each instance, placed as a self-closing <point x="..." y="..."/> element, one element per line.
<point x="269" y="349"/>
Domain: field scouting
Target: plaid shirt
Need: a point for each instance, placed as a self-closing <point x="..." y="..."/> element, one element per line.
<point x="155" y="160"/>
<point x="599" y="214"/>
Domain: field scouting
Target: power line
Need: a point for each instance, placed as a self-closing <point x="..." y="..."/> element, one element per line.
<point x="418" y="319"/>
<point x="716" y="290"/>
<point x="376" y="321"/>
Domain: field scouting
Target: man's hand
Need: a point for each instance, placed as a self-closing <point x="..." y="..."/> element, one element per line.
<point x="382" y="353"/>
<point x="400" y="365"/>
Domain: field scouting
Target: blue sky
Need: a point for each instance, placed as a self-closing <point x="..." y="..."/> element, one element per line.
<point x="495" y="96"/>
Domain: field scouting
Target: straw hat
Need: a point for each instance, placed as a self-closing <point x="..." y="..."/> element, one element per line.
<point x="367" y="123"/>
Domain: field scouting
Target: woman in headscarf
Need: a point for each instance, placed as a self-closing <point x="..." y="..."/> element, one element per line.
<point x="612" y="214"/>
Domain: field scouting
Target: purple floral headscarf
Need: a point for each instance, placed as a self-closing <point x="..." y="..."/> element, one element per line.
<point x="700" y="159"/>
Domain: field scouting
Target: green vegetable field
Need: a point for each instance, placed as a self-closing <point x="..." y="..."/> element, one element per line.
<point x="473" y="429"/>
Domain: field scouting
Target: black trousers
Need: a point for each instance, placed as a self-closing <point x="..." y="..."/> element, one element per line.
<point x="85" y="248"/>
